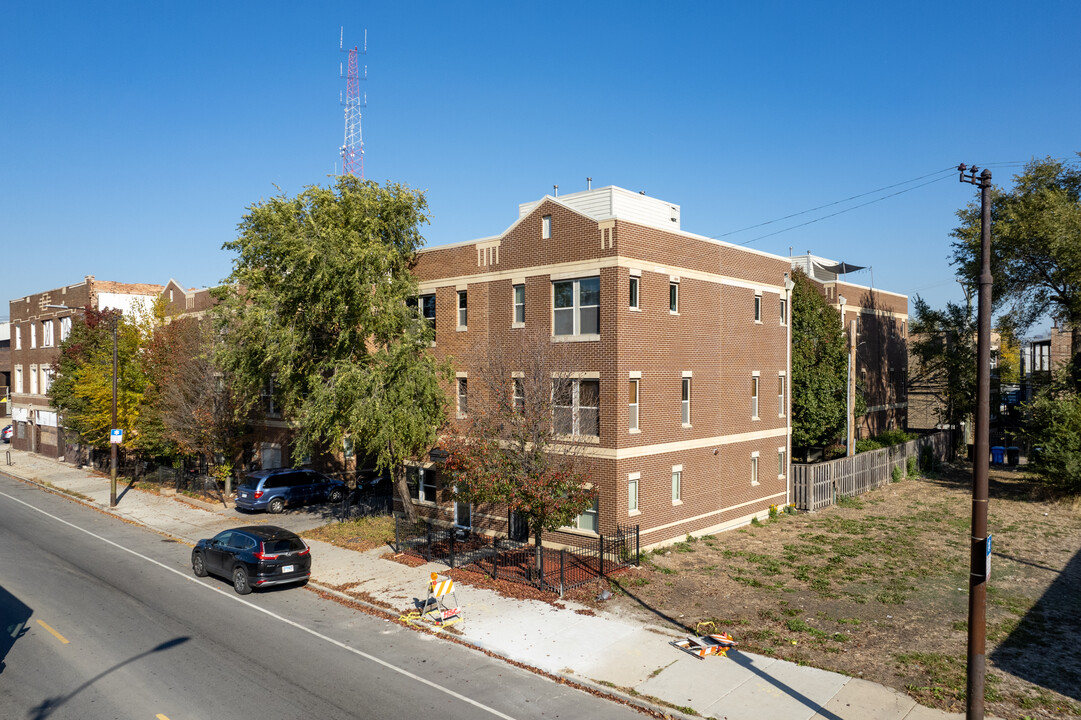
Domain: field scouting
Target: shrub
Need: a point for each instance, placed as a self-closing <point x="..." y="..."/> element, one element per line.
<point x="911" y="467"/>
<point x="895" y="474"/>
<point x="1054" y="426"/>
<point x="927" y="459"/>
<point x="894" y="437"/>
<point x="832" y="452"/>
<point x="867" y="444"/>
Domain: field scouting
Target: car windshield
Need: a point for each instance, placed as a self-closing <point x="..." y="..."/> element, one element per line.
<point x="283" y="545"/>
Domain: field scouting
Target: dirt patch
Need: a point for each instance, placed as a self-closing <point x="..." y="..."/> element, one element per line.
<point x="358" y="534"/>
<point x="877" y="588"/>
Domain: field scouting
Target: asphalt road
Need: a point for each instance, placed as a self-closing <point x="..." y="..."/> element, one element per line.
<point x="102" y="619"/>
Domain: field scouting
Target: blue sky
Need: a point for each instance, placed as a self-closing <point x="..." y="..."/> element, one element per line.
<point x="133" y="136"/>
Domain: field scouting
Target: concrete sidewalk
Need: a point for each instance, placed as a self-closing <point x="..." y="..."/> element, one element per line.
<point x="618" y="655"/>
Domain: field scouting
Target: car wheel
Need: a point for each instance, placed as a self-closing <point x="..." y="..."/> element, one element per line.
<point x="336" y="495"/>
<point x="240" y="580"/>
<point x="276" y="506"/>
<point x="198" y="566"/>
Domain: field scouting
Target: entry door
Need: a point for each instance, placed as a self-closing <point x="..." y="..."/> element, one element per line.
<point x="271" y="456"/>
<point x="519" y="528"/>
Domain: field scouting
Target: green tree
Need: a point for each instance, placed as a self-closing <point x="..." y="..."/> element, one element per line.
<point x="519" y="445"/>
<point x="1053" y="425"/>
<point x="1035" y="247"/>
<point x="83" y="387"/>
<point x="819" y="366"/>
<point x="943" y="343"/>
<point x="317" y="305"/>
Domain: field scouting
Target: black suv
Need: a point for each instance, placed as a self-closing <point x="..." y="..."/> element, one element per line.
<point x="255" y="556"/>
<point x="272" y="490"/>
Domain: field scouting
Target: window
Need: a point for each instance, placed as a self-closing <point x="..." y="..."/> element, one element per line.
<point x="633" y="300"/>
<point x="518" y="394"/>
<point x="576" y="306"/>
<point x="347" y="447"/>
<point x="33" y="378"/>
<point x="780" y="463"/>
<point x="47" y="376"/>
<point x="754" y="469"/>
<point x="588" y="519"/>
<point x="632" y="493"/>
<point x="463" y="397"/>
<point x="546" y="227"/>
<point x="780" y="396"/>
<point x="673" y="297"/>
<point x="462" y="309"/>
<point x="18" y="337"/>
<point x="577" y="407"/>
<point x="421" y="483"/>
<point x="47" y="333"/>
<point x="18" y="378"/>
<point x="685" y="401"/>
<point x="271" y="408"/>
<point x="65" y="328"/>
<point x="754" y="397"/>
<point x="427" y="309"/>
<point x="758" y="308"/>
<point x="519" y="304"/>
<point x="632" y="404"/>
<point x="784" y="311"/>
<point x="33" y="335"/>
<point x="677" y="484"/>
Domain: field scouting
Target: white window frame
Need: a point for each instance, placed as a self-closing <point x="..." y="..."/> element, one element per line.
<point x="517" y="393"/>
<point x="18" y="379"/>
<point x="65" y="328"/>
<point x="33" y="335"/>
<point x="677" y="484"/>
<point x="47" y="377"/>
<point x="784" y="311"/>
<point x="33" y="379"/>
<point x="576" y="308"/>
<point x="47" y="333"/>
<point x="461" y="395"/>
<point x="425" y="482"/>
<point x="755" y="386"/>
<point x="673" y="296"/>
<point x="758" y="308"/>
<point x="576" y="407"/>
<point x="685" y="399"/>
<point x="594" y="513"/>
<point x="463" y="309"/>
<point x="634" y="403"/>
<point x="754" y="468"/>
<point x="781" y="466"/>
<point x="546" y="227"/>
<point x="634" y="298"/>
<point x="519" y="307"/>
<point x="18" y="336"/>
<point x="632" y="493"/>
<point x="423" y="302"/>
<point x="782" y="387"/>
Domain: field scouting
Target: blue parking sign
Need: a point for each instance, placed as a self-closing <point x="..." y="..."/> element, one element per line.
<point x="116" y="436"/>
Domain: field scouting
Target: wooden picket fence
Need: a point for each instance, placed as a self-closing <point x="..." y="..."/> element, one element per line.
<point x="819" y="485"/>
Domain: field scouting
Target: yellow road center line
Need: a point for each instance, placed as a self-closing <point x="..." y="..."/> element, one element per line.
<point x="56" y="635"/>
<point x="159" y="716"/>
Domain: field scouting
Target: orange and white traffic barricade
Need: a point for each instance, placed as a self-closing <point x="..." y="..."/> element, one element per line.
<point x="439" y="589"/>
<point x="702" y="646"/>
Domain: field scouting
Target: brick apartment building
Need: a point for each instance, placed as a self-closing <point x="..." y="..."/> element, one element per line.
<point x="878" y="320"/>
<point x="680" y="352"/>
<point x="36" y="333"/>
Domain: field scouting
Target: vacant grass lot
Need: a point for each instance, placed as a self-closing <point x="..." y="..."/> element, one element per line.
<point x="358" y="534"/>
<point x="877" y="587"/>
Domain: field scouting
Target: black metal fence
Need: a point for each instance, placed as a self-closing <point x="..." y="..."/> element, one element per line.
<point x="504" y="559"/>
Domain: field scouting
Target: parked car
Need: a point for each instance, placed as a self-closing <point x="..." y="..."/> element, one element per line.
<point x="274" y="490"/>
<point x="253" y="557"/>
<point x="7" y="433"/>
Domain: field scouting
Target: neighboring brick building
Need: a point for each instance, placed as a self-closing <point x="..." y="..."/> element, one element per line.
<point x="880" y="365"/>
<point x="1041" y="355"/>
<point x="36" y="334"/>
<point x="694" y="329"/>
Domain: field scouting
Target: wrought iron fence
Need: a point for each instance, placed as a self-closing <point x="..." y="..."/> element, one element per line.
<point x="500" y="558"/>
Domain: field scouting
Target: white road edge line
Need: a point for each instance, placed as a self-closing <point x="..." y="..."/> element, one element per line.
<point x="287" y="621"/>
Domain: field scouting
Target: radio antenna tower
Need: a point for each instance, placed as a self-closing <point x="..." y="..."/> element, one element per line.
<point x="352" y="150"/>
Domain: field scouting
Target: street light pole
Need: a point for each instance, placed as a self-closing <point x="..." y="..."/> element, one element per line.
<point x="977" y="581"/>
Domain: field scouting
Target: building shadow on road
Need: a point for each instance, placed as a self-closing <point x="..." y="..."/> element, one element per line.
<point x="15" y="615"/>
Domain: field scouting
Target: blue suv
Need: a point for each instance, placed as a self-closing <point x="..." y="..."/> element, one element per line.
<point x="273" y="490"/>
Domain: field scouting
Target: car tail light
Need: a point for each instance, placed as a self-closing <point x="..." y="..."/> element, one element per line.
<point x="305" y="551"/>
<point x="265" y="555"/>
<point x="258" y="494"/>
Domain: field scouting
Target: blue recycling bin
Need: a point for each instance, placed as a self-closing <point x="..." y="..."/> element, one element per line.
<point x="998" y="454"/>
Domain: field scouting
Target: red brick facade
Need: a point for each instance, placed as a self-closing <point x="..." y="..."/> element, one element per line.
<point x="713" y="340"/>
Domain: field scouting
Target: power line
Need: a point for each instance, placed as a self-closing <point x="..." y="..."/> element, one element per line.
<point x="950" y="169"/>
<point x="841" y="212"/>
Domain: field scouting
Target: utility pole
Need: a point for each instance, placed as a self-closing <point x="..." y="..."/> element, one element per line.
<point x="113" y="445"/>
<point x="981" y="550"/>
